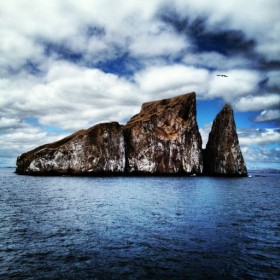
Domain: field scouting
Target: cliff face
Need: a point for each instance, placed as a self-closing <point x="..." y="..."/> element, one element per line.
<point x="99" y="149"/>
<point x="222" y="155"/>
<point x="164" y="138"/>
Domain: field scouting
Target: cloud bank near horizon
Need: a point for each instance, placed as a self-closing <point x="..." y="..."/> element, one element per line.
<point x="66" y="65"/>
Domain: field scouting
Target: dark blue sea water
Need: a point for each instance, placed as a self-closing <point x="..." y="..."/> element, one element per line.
<point x="139" y="228"/>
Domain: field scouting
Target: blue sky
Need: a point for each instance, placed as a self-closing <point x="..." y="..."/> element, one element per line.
<point x="67" y="65"/>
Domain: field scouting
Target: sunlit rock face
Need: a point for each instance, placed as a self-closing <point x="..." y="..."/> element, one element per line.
<point x="98" y="150"/>
<point x="164" y="138"/>
<point x="222" y="156"/>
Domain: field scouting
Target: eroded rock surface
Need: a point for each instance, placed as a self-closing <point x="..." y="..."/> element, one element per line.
<point x="164" y="138"/>
<point x="99" y="150"/>
<point x="222" y="156"/>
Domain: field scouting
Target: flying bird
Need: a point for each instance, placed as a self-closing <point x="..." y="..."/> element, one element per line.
<point x="222" y="75"/>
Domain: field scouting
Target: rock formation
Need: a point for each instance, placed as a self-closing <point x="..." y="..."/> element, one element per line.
<point x="222" y="155"/>
<point x="163" y="139"/>
<point x="98" y="150"/>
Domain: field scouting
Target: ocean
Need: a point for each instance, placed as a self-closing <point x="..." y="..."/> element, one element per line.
<point x="139" y="227"/>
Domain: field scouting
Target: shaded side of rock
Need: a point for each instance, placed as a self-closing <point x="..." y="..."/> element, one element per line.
<point x="164" y="138"/>
<point x="223" y="156"/>
<point x="100" y="149"/>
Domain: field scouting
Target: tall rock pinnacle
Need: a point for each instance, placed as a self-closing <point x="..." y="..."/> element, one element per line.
<point x="222" y="156"/>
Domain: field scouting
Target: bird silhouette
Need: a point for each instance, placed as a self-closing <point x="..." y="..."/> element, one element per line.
<point x="222" y="76"/>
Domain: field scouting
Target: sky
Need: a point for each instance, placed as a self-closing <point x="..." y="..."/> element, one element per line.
<point x="66" y="65"/>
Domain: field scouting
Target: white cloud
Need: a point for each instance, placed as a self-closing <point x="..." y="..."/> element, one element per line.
<point x="172" y="80"/>
<point x="257" y="103"/>
<point x="259" y="137"/>
<point x="8" y="122"/>
<point x="268" y="115"/>
<point x="70" y="97"/>
<point x="260" y="148"/>
<point x="261" y="158"/>
<point x="159" y="43"/>
<point x="16" y="48"/>
<point x="40" y="18"/>
<point x="238" y="83"/>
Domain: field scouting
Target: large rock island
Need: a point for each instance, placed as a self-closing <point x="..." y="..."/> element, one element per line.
<point x="163" y="139"/>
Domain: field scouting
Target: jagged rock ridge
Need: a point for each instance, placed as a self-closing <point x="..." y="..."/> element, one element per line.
<point x="162" y="139"/>
<point x="222" y="155"/>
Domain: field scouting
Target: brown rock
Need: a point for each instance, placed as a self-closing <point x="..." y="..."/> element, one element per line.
<point x="98" y="150"/>
<point x="222" y="156"/>
<point x="164" y="138"/>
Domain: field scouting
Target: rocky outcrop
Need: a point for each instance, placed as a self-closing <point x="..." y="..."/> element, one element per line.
<point x="98" y="150"/>
<point x="222" y="156"/>
<point x="163" y="139"/>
